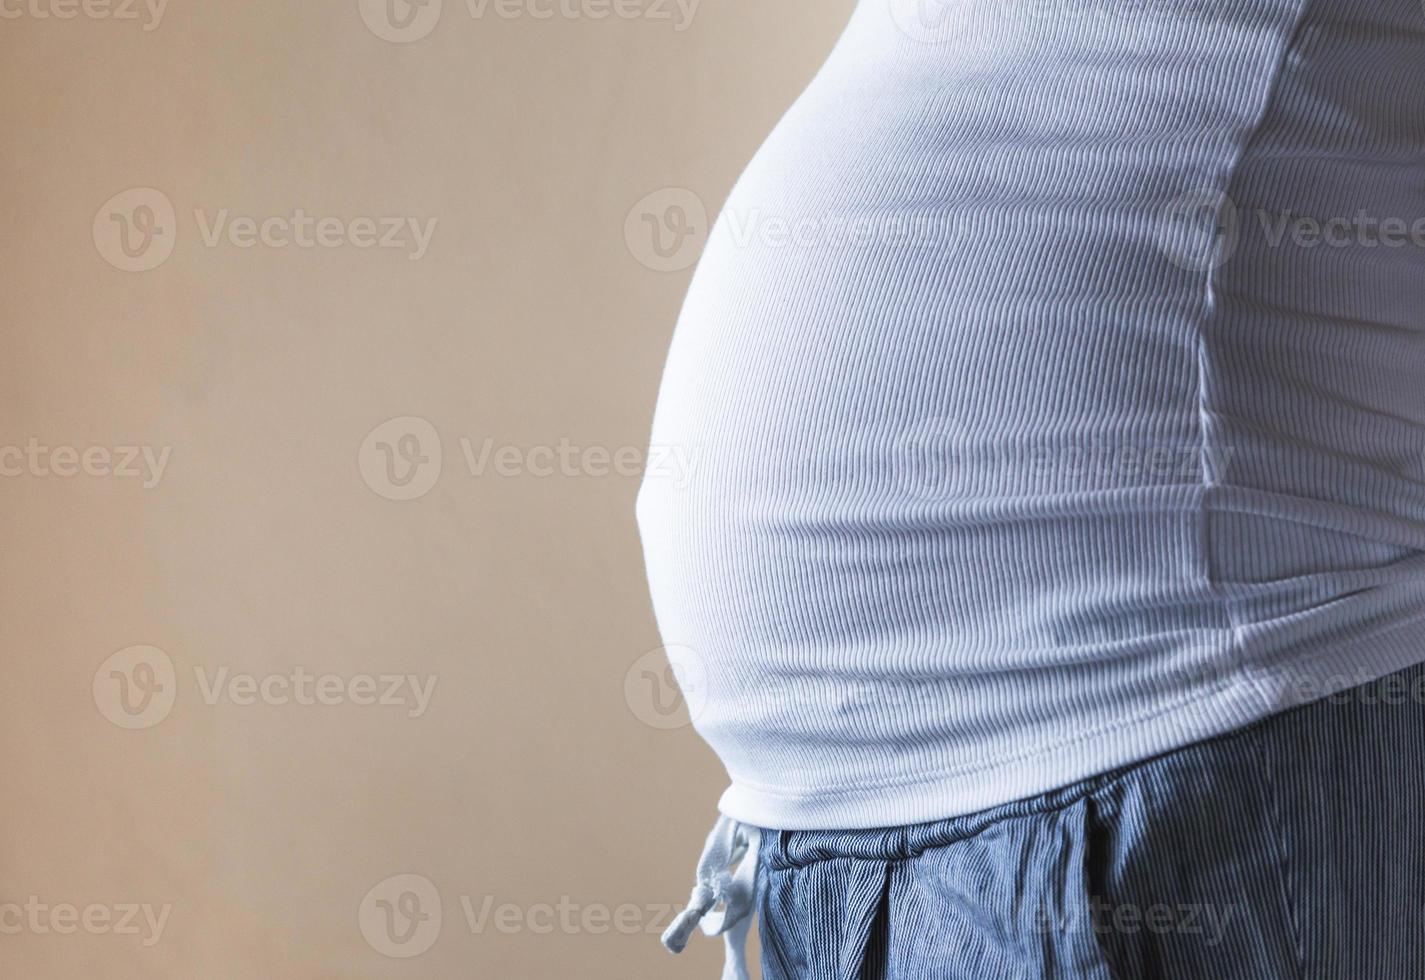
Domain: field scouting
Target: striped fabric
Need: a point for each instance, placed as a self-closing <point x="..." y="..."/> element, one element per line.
<point x="1054" y="388"/>
<point x="1291" y="850"/>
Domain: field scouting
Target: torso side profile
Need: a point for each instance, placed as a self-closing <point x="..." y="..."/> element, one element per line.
<point x="1053" y="382"/>
<point x="1006" y="472"/>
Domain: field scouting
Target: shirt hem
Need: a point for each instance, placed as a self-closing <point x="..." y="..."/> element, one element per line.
<point x="1258" y="693"/>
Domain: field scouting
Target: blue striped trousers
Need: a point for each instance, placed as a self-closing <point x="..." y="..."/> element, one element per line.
<point x="1288" y="850"/>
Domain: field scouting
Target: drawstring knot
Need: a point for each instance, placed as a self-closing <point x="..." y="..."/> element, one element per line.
<point x="729" y="844"/>
<point x="700" y="903"/>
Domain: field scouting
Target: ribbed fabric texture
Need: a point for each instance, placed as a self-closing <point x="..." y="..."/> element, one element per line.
<point x="1008" y="468"/>
<point x="1292" y="849"/>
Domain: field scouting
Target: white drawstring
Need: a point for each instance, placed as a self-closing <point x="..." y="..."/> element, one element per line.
<point x="729" y="843"/>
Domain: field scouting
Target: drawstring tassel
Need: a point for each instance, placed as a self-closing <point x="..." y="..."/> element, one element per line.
<point x="700" y="903"/>
<point x="730" y="843"/>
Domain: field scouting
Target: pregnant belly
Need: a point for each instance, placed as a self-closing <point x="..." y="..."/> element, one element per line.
<point x="991" y="447"/>
<point x="912" y="444"/>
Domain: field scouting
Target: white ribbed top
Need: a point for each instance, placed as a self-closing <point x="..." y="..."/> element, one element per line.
<point x="1032" y="431"/>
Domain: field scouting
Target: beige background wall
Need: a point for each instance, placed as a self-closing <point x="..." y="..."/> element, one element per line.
<point x="192" y="777"/>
